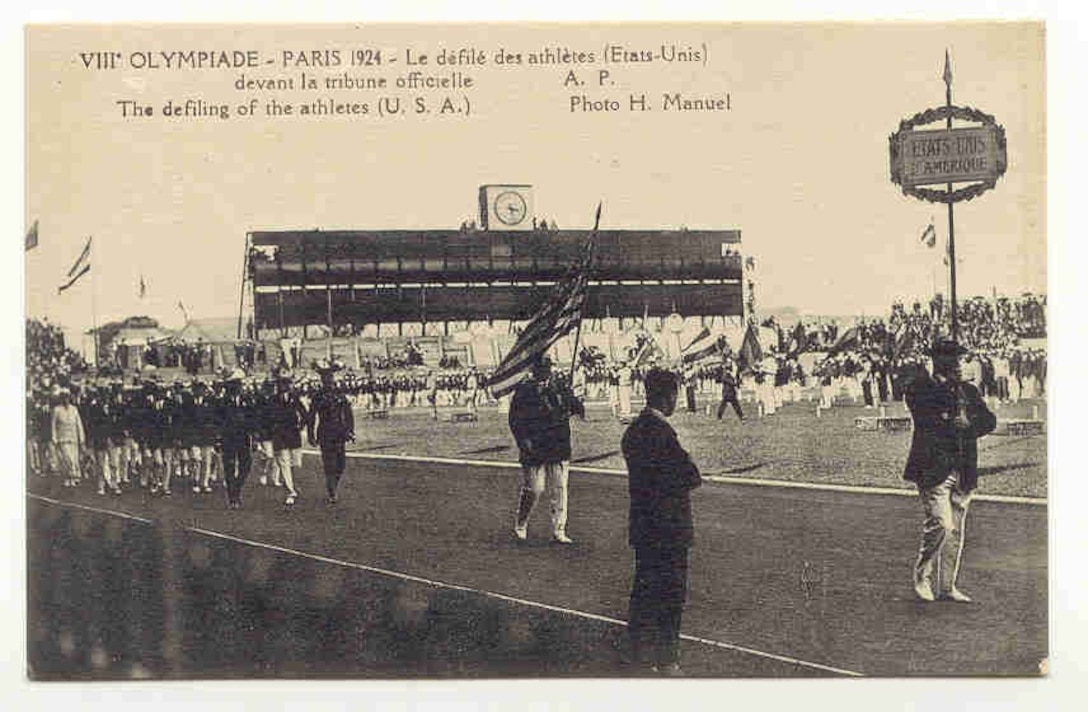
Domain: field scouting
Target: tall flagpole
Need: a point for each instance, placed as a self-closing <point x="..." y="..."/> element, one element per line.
<point x="328" y="298"/>
<point x="589" y="266"/>
<point x="947" y="76"/>
<point x="94" y="312"/>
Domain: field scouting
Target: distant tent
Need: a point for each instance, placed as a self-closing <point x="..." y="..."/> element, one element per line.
<point x="219" y="330"/>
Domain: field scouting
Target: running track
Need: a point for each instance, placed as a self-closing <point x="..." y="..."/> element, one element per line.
<point x="784" y="581"/>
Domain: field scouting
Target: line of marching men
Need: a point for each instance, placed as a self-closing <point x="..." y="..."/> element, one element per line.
<point x="151" y="433"/>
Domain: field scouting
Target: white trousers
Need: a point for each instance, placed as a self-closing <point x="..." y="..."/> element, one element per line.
<point x="945" y="510"/>
<point x="535" y="479"/>
<point x="284" y="460"/>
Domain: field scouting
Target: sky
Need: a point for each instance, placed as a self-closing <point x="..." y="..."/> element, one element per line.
<point x="799" y="163"/>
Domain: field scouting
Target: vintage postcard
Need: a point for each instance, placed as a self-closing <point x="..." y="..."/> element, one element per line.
<point x="536" y="350"/>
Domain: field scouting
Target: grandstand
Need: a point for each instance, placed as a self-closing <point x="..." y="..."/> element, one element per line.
<point x="345" y="280"/>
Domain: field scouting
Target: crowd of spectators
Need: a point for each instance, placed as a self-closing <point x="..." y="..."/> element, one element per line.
<point x="49" y="361"/>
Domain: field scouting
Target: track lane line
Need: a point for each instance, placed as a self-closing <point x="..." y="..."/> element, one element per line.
<point x="458" y="587"/>
<point x="724" y="479"/>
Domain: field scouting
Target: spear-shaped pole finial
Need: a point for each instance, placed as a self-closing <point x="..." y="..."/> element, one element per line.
<point x="947" y="74"/>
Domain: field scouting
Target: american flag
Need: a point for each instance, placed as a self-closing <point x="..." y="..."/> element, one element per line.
<point x="552" y="321"/>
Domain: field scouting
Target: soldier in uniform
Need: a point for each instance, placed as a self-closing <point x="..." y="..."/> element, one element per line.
<point x="949" y="416"/>
<point x="334" y="423"/>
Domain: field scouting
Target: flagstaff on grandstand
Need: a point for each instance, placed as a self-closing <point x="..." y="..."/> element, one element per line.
<point x="80" y="267"/>
<point x="554" y="320"/>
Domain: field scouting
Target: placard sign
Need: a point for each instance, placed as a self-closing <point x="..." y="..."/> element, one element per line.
<point x="928" y="156"/>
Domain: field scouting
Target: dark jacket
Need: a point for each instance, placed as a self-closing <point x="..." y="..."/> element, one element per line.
<point x="540" y="421"/>
<point x="96" y="423"/>
<point x="331" y="415"/>
<point x="938" y="447"/>
<point x="288" y="419"/>
<point x="236" y="418"/>
<point x="661" y="476"/>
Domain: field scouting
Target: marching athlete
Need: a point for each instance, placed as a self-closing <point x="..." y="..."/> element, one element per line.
<point x="288" y="417"/>
<point x="236" y="427"/>
<point x="540" y="422"/>
<point x="334" y="423"/>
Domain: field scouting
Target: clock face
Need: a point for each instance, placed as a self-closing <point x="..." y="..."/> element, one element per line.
<point x="510" y="207"/>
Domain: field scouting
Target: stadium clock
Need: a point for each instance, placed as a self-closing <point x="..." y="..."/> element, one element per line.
<point x="510" y="207"/>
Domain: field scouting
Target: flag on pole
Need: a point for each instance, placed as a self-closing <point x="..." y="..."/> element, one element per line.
<point x="553" y="320"/>
<point x="648" y="353"/>
<point x="903" y="343"/>
<point x="702" y="347"/>
<point x="751" y="353"/>
<point x="929" y="235"/>
<point x="184" y="311"/>
<point x="143" y="287"/>
<point x="80" y="267"/>
<point x="31" y="240"/>
<point x="850" y="339"/>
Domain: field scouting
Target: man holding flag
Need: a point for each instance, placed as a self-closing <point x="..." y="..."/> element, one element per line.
<point x="540" y="422"/>
<point x="542" y="405"/>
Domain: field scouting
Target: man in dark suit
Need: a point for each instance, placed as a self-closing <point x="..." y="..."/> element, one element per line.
<point x="661" y="476"/>
<point x="334" y="421"/>
<point x="949" y="416"/>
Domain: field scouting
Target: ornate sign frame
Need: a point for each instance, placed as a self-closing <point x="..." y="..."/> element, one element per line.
<point x="929" y="116"/>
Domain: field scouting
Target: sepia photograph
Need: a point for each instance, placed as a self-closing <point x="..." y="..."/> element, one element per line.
<point x="492" y="351"/>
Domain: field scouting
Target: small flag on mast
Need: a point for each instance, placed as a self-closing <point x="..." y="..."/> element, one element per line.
<point x="80" y="267"/>
<point x="31" y="240"/>
<point x="143" y="287"/>
<point x="929" y="235"/>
